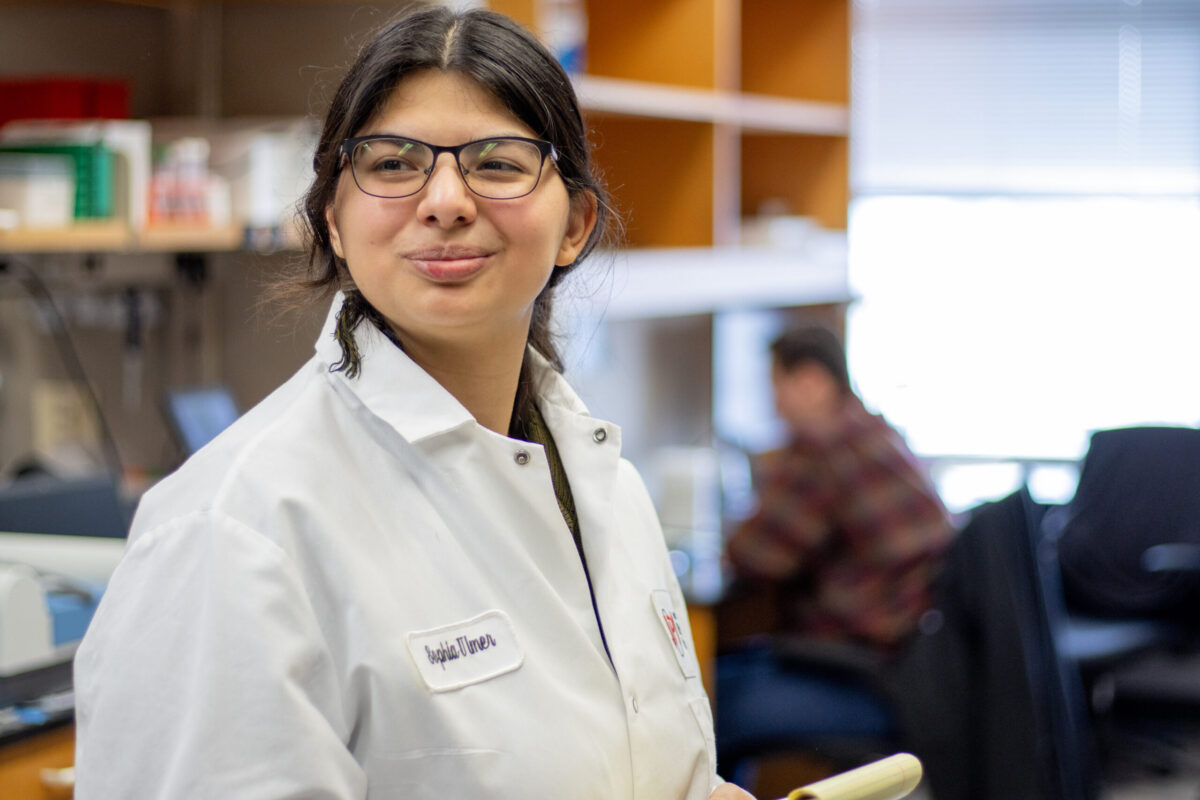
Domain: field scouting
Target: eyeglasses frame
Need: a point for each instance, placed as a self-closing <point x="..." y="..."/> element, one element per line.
<point x="350" y="144"/>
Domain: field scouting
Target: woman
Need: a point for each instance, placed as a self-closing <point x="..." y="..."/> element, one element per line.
<point x="419" y="568"/>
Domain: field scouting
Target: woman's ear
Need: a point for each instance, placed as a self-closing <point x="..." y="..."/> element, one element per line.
<point x="580" y="223"/>
<point x="335" y="239"/>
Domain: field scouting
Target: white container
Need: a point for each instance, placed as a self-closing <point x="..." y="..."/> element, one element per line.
<point x="267" y="167"/>
<point x="39" y="188"/>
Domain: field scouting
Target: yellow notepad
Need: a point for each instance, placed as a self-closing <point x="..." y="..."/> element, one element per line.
<point x="887" y="779"/>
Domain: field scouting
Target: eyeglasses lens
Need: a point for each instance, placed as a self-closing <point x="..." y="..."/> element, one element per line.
<point x="494" y="168"/>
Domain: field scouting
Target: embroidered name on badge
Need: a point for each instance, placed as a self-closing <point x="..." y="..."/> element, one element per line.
<point x="466" y="652"/>
<point x="685" y="654"/>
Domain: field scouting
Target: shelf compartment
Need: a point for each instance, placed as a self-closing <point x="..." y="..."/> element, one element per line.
<point x="797" y="49"/>
<point x="808" y="173"/>
<point x="663" y="41"/>
<point x="660" y="173"/>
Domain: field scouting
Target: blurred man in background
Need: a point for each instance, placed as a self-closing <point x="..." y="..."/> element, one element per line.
<point x="833" y="569"/>
<point x="848" y="524"/>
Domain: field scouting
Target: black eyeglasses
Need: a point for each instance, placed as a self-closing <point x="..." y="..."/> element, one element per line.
<point x="503" y="168"/>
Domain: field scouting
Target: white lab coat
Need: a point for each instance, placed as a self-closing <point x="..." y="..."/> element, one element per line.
<point x="358" y="591"/>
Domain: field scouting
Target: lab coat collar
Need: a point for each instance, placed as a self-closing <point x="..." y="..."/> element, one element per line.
<point x="392" y="386"/>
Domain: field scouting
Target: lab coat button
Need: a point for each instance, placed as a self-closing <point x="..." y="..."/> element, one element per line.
<point x="599" y="435"/>
<point x="521" y="457"/>
<point x="633" y="701"/>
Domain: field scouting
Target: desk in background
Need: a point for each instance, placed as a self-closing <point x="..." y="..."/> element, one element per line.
<point x="23" y="760"/>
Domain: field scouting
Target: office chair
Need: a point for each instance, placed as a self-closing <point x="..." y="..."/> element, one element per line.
<point x="1129" y="540"/>
<point x="823" y="705"/>
<point x="827" y="700"/>
<point x="1078" y="592"/>
<point x="1003" y="699"/>
<point x="1120" y="564"/>
<point x="981" y="697"/>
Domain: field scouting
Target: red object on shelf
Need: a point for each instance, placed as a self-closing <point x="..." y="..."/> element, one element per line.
<point x="63" y="97"/>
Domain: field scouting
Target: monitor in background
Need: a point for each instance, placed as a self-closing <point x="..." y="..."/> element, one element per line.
<point x="198" y="414"/>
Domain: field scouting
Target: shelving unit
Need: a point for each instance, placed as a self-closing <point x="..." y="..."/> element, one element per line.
<point x="703" y="112"/>
<point x="745" y="103"/>
<point x="791" y="136"/>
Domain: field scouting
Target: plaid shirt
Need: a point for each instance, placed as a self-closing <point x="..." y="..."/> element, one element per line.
<point x="850" y="528"/>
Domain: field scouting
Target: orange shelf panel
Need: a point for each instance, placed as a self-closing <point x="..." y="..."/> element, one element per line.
<point x="797" y="49"/>
<point x="660" y="173"/>
<point x="809" y="173"/>
<point x="662" y="41"/>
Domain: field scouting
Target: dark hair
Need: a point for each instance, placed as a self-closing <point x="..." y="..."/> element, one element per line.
<point x="813" y="344"/>
<point x="505" y="60"/>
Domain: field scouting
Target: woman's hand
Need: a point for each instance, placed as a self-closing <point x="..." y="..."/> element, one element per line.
<point x="727" y="791"/>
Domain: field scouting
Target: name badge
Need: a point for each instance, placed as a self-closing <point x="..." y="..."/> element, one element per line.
<point x="677" y="634"/>
<point x="467" y="652"/>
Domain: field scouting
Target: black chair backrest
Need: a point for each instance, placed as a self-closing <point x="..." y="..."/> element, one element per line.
<point x="1139" y="487"/>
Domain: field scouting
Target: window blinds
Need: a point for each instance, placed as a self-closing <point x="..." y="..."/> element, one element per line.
<point x="1026" y="97"/>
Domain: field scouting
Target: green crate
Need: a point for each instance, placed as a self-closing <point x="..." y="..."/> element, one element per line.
<point x="93" y="174"/>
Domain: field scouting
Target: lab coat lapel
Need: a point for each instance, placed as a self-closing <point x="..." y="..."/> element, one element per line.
<point x="390" y="384"/>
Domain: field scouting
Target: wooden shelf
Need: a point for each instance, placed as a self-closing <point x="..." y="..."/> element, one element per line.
<point x="82" y="237"/>
<point x="116" y="237"/>
<point x="703" y="280"/>
<point x="702" y="110"/>
<point x="764" y="114"/>
<point x="180" y="238"/>
<point x="758" y="113"/>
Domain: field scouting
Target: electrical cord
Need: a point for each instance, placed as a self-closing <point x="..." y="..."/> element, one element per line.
<point x="32" y="283"/>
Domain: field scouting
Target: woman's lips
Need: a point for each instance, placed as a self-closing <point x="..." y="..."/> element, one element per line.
<point x="448" y="264"/>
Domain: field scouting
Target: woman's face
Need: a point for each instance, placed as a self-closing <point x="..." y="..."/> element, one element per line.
<point x="445" y="266"/>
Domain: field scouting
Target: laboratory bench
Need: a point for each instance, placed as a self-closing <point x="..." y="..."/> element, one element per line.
<point x="33" y="761"/>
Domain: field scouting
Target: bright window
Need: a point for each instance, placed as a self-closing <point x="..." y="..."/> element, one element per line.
<point x="1026" y="231"/>
<point x="1014" y="326"/>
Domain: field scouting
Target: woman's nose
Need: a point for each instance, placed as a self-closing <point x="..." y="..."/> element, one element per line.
<point x="446" y="200"/>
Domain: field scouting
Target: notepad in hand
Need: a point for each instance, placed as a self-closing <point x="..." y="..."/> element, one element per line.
<point x="887" y="779"/>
